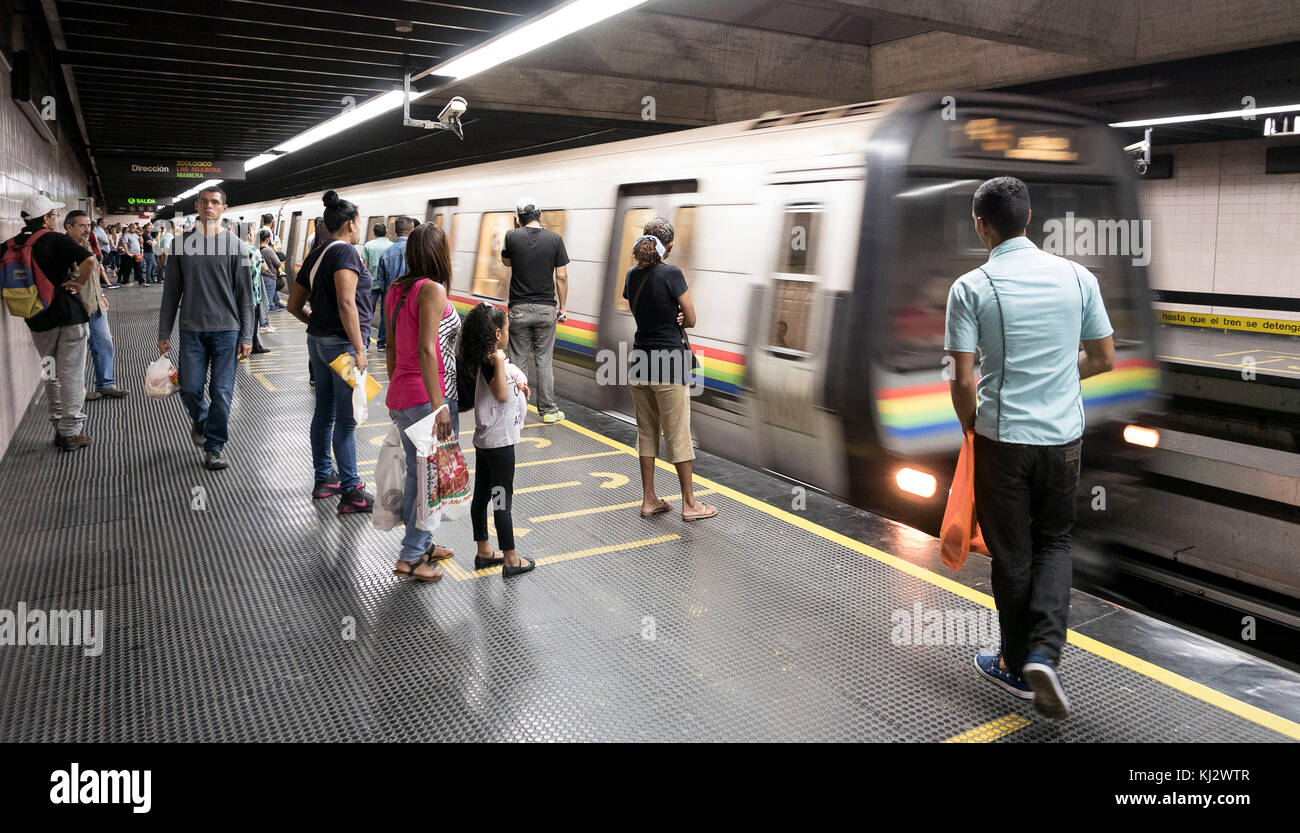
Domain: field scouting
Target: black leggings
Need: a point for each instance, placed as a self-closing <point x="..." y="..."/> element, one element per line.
<point x="494" y="468"/>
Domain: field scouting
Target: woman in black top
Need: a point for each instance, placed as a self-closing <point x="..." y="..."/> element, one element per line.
<point x="338" y="284"/>
<point x="661" y="367"/>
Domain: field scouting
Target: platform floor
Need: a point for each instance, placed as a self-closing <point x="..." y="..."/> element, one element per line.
<point x="231" y="621"/>
<point x="1273" y="355"/>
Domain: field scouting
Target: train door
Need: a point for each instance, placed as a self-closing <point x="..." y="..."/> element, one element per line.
<point x="636" y="205"/>
<point x="800" y="435"/>
<point x="292" y="247"/>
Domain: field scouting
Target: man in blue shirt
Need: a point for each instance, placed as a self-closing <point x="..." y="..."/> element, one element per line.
<point x="392" y="265"/>
<point x="1027" y="312"/>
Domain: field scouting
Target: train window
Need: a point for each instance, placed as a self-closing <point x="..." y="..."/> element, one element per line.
<point x="392" y="227"/>
<point x="491" y="277"/>
<point x="451" y="238"/>
<point x="370" y="227"/>
<point x="937" y="244"/>
<point x="791" y="315"/>
<point x="797" y="238"/>
<point x="306" y="240"/>
<point x="439" y="219"/>
<point x="634" y="221"/>
<point x="556" y="221"/>
<point x="683" y="236"/>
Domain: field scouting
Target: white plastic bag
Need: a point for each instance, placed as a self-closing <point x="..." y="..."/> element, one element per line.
<point x="159" y="378"/>
<point x="390" y="482"/>
<point x="360" y="405"/>
<point x="421" y="435"/>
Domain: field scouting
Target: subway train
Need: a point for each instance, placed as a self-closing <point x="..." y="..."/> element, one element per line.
<point x="819" y="248"/>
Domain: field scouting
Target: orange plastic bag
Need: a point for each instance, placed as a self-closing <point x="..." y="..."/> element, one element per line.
<point x="960" y="533"/>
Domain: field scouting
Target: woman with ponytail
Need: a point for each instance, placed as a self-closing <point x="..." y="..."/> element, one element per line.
<point x="336" y="282"/>
<point x="661" y="367"/>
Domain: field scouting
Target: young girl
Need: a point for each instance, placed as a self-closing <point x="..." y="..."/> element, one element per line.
<point x="499" y="391"/>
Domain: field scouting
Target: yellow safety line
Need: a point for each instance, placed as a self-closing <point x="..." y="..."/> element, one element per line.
<point x="992" y="730"/>
<point x="1177" y="682"/>
<point x="565" y="459"/>
<point x="569" y="556"/>
<point x="1225" y="364"/>
<point x="257" y="374"/>
<point x="598" y="509"/>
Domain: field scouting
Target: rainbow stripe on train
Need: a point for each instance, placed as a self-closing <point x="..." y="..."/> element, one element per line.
<point x="921" y="410"/>
<point x="575" y="341"/>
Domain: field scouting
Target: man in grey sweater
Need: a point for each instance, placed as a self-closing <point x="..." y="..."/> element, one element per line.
<point x="207" y="277"/>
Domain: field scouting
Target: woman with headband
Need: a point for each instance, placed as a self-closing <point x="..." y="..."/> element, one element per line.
<point x="661" y="369"/>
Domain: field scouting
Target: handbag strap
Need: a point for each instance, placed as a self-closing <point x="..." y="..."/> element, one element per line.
<point x="311" y="278"/>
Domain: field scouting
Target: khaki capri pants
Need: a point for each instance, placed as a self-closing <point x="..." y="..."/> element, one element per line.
<point x="666" y="410"/>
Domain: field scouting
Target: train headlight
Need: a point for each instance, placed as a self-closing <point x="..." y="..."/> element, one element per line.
<point x="916" y="482"/>
<point x="1145" y="437"/>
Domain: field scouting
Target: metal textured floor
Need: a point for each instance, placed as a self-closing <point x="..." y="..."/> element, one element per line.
<point x="228" y="598"/>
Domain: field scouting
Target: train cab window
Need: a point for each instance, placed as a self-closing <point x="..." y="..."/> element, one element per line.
<point x="634" y="220"/>
<point x="370" y="227"/>
<point x="491" y="277"/>
<point x="937" y="244"/>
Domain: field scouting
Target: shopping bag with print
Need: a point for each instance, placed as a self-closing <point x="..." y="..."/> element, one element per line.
<point x="346" y="368"/>
<point x="453" y="481"/>
<point x="160" y="380"/>
<point x="959" y="534"/>
<point x="390" y="482"/>
<point x="427" y="516"/>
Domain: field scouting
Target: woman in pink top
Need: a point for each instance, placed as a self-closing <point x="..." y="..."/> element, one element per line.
<point x="418" y="372"/>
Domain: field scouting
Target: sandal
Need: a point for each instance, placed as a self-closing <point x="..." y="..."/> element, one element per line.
<point x="507" y="571"/>
<point x="708" y="512"/>
<point x="481" y="563"/>
<point x="432" y="553"/>
<point x="412" y="566"/>
<point x="662" y="507"/>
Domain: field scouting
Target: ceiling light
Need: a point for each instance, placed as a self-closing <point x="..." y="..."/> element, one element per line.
<point x="536" y="33"/>
<point x="1226" y="114"/>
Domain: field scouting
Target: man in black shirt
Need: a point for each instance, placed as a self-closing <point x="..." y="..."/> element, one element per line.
<point x="539" y="277"/>
<point x="61" y="330"/>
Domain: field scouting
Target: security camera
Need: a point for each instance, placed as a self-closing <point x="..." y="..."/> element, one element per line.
<point x="453" y="111"/>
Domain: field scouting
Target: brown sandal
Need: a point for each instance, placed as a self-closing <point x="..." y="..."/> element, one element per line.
<point x="412" y="566"/>
<point x="709" y="512"/>
<point x="664" y="506"/>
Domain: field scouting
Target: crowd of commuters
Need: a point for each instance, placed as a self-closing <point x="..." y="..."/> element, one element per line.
<point x="1027" y="314"/>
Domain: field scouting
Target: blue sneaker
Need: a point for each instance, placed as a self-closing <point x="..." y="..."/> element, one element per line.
<point x="1049" y="694"/>
<point x="987" y="664"/>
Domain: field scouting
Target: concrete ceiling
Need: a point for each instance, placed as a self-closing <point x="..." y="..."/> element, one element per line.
<point x="233" y="78"/>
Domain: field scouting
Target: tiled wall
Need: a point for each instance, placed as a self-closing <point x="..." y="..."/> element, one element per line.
<point x="1222" y="225"/>
<point x="27" y="163"/>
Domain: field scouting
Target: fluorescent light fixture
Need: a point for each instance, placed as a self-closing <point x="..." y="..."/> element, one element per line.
<point x="1225" y="114"/>
<point x="536" y="33"/>
<point x="259" y="160"/>
<point x="376" y="106"/>
<point x="197" y="188"/>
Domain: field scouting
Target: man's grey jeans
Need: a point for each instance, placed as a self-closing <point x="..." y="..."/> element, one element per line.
<point x="63" y="368"/>
<point x="532" y="332"/>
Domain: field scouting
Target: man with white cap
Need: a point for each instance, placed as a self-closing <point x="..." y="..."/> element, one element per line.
<point x="61" y="330"/>
<point x="539" y="287"/>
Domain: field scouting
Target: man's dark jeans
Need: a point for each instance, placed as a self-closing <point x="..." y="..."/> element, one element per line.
<point x="1024" y="500"/>
<point x="200" y="353"/>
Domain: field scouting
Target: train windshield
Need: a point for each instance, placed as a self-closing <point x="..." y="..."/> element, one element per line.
<point x="938" y="244"/>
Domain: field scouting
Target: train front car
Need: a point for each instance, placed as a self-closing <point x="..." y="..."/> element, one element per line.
<point x="923" y="166"/>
